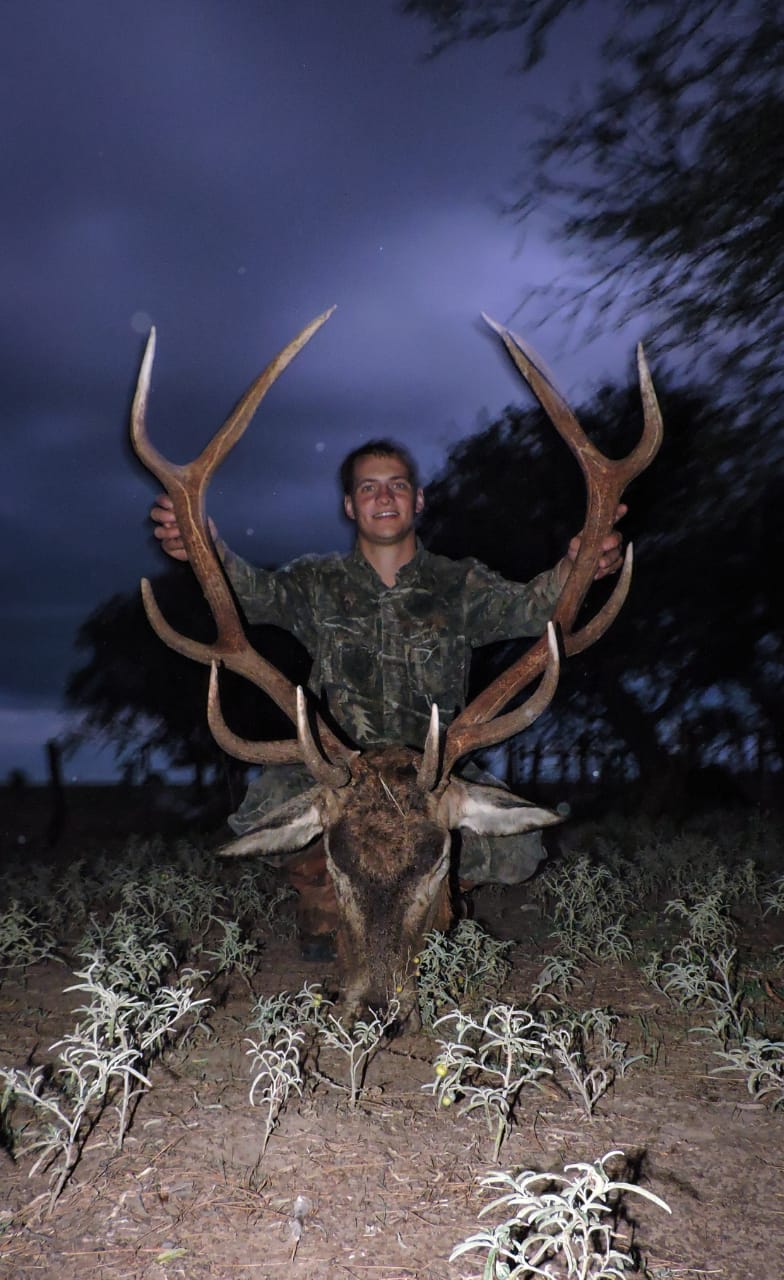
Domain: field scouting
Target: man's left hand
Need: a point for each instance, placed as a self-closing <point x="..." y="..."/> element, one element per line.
<point x="611" y="558"/>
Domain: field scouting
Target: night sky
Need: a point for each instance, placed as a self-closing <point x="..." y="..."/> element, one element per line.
<point x="227" y="169"/>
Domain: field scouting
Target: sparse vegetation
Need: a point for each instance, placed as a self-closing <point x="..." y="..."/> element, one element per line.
<point x="458" y="968"/>
<point x="143" y="942"/>
<point x="562" y="1225"/>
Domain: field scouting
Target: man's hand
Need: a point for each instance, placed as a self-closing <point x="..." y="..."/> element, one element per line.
<point x="167" y="531"/>
<point x="611" y="558"/>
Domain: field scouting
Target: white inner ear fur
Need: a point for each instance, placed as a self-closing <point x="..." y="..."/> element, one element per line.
<point x="291" y="826"/>
<point x="491" y="810"/>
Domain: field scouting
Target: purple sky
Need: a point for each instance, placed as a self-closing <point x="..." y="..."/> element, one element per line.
<point x="226" y="171"/>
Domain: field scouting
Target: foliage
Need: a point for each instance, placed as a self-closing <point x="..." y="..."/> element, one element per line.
<point x="284" y="1020"/>
<point x="143" y="697"/>
<point x="561" y="1224"/>
<point x="589" y="903"/>
<point x="704" y="972"/>
<point x="486" y="1063"/>
<point x="24" y="939"/>
<point x="277" y="1070"/>
<point x="138" y="999"/>
<point x="106" y="1056"/>
<point x="667" y="164"/>
<point x="761" y="1061"/>
<point x="233" y="953"/>
<point x="454" y="968"/>
<point x="358" y="1041"/>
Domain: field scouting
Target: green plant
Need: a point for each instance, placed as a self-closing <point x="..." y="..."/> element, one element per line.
<point x="277" y="1070"/>
<point x="358" y="1043"/>
<point x="127" y="952"/>
<point x="708" y="918"/>
<point x="696" y="978"/>
<point x="589" y="905"/>
<point x="456" y="967"/>
<point x="725" y="996"/>
<point x="570" y="1038"/>
<point x="774" y="898"/>
<point x="761" y="1061"/>
<point x="24" y="939"/>
<point x="67" y="1110"/>
<point x="107" y="1055"/>
<point x="183" y="898"/>
<point x="560" y="972"/>
<point x="274" y="1014"/>
<point x="562" y="1226"/>
<point x="233" y="954"/>
<point x="487" y="1063"/>
<point x="142" y="1024"/>
<point x="684" y="979"/>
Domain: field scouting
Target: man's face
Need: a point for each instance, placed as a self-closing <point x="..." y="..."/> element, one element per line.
<point x="383" y="501"/>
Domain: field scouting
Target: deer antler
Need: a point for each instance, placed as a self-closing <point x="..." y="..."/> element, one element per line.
<point x="186" y="485"/>
<point x="479" y="724"/>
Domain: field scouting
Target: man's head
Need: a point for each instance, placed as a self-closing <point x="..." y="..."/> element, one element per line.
<point x="381" y="493"/>
<point x="377" y="449"/>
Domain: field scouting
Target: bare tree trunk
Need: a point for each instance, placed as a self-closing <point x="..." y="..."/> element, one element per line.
<point x="59" y="807"/>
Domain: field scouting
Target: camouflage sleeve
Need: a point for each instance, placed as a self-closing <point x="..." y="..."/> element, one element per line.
<point x="497" y="609"/>
<point x="276" y="596"/>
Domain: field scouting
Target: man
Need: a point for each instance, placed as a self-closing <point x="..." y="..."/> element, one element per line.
<point x="390" y="628"/>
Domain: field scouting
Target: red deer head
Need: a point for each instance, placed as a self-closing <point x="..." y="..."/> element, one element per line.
<point x="386" y="814"/>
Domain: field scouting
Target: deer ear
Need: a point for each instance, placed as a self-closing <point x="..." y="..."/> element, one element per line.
<point x="491" y="811"/>
<point x="282" y="831"/>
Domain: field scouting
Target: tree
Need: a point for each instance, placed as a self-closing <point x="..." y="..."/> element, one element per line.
<point x="669" y="168"/>
<point x="145" y="698"/>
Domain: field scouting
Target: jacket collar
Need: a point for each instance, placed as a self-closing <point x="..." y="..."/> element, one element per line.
<point x="364" y="569"/>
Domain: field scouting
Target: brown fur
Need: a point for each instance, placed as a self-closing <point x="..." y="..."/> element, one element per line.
<point x="388" y="857"/>
<point x="387" y="846"/>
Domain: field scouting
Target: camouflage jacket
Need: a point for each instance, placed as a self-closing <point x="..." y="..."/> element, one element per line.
<point x="382" y="655"/>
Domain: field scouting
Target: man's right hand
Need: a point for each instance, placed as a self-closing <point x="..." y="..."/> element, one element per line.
<point x="167" y="531"/>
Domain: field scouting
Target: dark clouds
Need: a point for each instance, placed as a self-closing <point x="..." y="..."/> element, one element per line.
<point x="227" y="171"/>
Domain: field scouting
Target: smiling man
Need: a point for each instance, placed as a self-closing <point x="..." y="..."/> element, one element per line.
<point x="390" y="628"/>
<point x="381" y="495"/>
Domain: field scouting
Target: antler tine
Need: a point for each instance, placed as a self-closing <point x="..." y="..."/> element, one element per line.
<point x="469" y="737"/>
<point x="470" y="734"/>
<point x="428" y="771"/>
<point x="606" y="479"/>
<point x="289" y="752"/>
<point x="236" y="423"/>
<point x="186" y="485"/>
<point x="283" y="752"/>
<point x="323" y="770"/>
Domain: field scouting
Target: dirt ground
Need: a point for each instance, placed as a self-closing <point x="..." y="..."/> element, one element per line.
<point x="388" y="1191"/>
